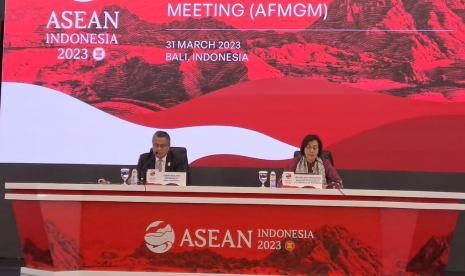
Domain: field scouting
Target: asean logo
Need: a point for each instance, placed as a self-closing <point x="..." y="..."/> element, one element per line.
<point x="159" y="239"/>
<point x="289" y="245"/>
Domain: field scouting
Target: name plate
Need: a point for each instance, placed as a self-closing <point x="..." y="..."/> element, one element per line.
<point x="302" y="180"/>
<point x="163" y="178"/>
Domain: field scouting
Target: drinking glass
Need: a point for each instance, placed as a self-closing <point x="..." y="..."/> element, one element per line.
<point x="125" y="174"/>
<point x="263" y="176"/>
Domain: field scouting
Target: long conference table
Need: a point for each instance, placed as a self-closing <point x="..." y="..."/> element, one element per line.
<point x="90" y="229"/>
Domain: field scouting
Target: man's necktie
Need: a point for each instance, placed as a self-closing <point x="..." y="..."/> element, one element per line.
<point x="159" y="165"/>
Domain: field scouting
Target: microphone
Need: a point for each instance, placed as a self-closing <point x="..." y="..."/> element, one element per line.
<point x="338" y="186"/>
<point x="103" y="181"/>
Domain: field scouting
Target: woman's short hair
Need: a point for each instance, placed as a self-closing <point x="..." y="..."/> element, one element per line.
<point x="309" y="138"/>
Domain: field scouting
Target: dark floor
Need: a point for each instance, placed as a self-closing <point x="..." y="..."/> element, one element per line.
<point x="10" y="271"/>
<point x="10" y="267"/>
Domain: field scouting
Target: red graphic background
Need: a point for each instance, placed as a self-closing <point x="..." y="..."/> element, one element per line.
<point x="382" y="79"/>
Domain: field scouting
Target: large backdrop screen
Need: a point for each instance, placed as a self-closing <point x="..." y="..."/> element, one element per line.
<point x="239" y="83"/>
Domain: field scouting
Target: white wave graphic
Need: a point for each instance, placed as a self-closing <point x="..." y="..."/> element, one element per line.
<point x="41" y="125"/>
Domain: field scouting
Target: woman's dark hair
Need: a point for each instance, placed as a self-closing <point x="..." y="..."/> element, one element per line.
<point x="309" y="138"/>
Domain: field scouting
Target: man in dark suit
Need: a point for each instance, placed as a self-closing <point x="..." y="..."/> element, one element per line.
<point x="161" y="157"/>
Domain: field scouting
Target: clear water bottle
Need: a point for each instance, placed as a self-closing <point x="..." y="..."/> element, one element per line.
<point x="134" y="177"/>
<point x="272" y="179"/>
